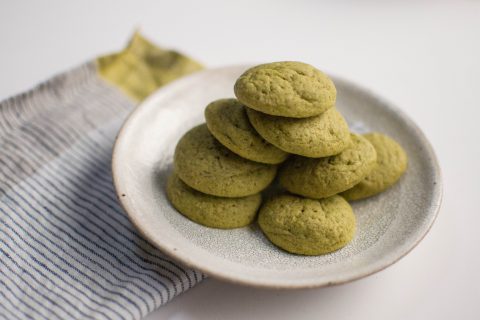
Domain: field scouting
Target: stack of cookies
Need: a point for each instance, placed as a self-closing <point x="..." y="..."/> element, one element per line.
<point x="283" y="122"/>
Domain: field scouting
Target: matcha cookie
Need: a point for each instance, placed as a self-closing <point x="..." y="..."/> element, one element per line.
<point x="228" y="122"/>
<point x="391" y="164"/>
<point x="324" y="177"/>
<point x="307" y="226"/>
<point x="318" y="136"/>
<point x="212" y="211"/>
<point x="288" y="89"/>
<point x="206" y="165"/>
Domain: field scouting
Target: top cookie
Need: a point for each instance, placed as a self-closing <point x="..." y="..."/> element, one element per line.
<point x="324" y="177"/>
<point x="288" y="89"/>
<point x="228" y="122"/>
<point x="391" y="164"/>
<point x="206" y="165"/>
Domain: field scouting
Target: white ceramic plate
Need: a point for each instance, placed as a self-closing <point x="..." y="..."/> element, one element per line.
<point x="388" y="225"/>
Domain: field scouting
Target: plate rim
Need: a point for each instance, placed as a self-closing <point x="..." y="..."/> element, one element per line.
<point x="434" y="206"/>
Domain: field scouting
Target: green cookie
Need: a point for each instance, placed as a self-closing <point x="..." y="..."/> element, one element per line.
<point x="228" y="123"/>
<point x="307" y="226"/>
<point x="212" y="211"/>
<point x="324" y="177"/>
<point x="206" y="165"/>
<point x="288" y="89"/>
<point x="318" y="136"/>
<point x="391" y="164"/>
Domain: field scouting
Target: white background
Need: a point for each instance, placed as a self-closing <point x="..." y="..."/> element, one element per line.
<point x="422" y="56"/>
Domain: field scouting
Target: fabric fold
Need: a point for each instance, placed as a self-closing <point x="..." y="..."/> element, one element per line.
<point x="68" y="250"/>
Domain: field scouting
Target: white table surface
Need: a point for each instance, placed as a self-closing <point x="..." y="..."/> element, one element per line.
<point x="422" y="56"/>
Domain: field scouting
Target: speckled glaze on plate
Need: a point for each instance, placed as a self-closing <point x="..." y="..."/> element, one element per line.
<point x="389" y="225"/>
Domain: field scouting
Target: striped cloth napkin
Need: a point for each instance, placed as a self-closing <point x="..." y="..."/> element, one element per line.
<point x="67" y="249"/>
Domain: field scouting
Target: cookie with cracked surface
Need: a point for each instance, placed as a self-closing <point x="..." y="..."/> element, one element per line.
<point x="324" y="177"/>
<point x="212" y="211"/>
<point x="391" y="164"/>
<point x="318" y="136"/>
<point x="288" y="89"/>
<point x="307" y="226"/>
<point x="228" y="122"/>
<point x="206" y="165"/>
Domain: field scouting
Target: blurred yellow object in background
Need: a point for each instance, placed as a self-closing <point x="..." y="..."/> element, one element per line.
<point x="142" y="67"/>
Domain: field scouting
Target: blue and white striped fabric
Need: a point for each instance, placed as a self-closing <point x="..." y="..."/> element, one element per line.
<point x="67" y="249"/>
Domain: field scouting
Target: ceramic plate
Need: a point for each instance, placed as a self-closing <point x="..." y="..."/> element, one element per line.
<point x="388" y="225"/>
